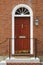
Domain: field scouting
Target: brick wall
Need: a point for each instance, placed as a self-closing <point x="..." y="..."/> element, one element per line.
<point x="23" y="63"/>
<point x="6" y="7"/>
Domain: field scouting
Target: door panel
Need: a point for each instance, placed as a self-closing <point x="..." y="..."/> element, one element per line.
<point x="22" y="33"/>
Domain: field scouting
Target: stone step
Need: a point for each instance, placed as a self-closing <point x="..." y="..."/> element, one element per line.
<point x="2" y="63"/>
<point x="22" y="60"/>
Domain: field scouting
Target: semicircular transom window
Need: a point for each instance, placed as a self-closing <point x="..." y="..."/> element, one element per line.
<point x="22" y="10"/>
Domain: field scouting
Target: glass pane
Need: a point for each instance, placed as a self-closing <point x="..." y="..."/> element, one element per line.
<point x="22" y="10"/>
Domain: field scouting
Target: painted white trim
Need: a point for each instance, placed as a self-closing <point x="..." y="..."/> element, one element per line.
<point x="31" y="25"/>
<point x="22" y="16"/>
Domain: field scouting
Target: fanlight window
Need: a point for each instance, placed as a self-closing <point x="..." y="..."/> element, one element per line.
<point x="22" y="10"/>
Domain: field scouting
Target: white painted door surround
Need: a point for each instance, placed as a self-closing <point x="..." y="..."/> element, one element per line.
<point x="31" y="25"/>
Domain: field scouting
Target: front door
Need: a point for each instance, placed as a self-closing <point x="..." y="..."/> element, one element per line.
<point x="22" y="34"/>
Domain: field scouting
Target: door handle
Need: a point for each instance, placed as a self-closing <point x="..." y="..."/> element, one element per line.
<point x="22" y="26"/>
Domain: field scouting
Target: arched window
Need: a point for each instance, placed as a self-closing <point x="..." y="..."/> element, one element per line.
<point x="22" y="10"/>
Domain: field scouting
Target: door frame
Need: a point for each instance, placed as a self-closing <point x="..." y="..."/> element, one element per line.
<point x="31" y="25"/>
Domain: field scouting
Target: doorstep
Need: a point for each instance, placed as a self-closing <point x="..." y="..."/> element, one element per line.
<point x="23" y="60"/>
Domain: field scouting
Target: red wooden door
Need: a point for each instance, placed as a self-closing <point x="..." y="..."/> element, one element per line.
<point x="22" y="34"/>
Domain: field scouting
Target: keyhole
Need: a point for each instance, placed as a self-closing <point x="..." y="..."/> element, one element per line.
<point x="22" y="25"/>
